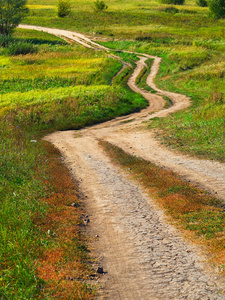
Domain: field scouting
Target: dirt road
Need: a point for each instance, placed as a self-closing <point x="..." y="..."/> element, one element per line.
<point x="144" y="256"/>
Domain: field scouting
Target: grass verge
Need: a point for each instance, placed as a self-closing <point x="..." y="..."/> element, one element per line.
<point x="191" y="209"/>
<point x="41" y="244"/>
<point x="43" y="253"/>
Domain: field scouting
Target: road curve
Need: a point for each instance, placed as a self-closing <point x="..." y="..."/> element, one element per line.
<point x="144" y="257"/>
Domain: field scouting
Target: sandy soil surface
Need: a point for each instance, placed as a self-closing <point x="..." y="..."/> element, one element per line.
<point x="143" y="256"/>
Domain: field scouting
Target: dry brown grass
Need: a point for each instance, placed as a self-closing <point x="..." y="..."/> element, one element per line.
<point x="63" y="265"/>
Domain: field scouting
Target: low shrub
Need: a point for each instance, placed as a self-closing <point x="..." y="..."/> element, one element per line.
<point x="64" y="8"/>
<point x="176" y="2"/>
<point x="171" y="10"/>
<point x="5" y="40"/>
<point x="21" y="48"/>
<point x="202" y="3"/>
<point x="100" y="5"/>
<point x="217" y="8"/>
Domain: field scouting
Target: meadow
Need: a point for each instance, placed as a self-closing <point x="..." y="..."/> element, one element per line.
<point x="56" y="87"/>
<point x="59" y="86"/>
<point x="192" y="45"/>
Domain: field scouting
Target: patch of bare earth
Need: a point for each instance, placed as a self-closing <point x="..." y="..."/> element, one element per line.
<point x="142" y="255"/>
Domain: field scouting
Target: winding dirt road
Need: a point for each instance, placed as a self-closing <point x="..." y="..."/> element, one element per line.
<point x="144" y="257"/>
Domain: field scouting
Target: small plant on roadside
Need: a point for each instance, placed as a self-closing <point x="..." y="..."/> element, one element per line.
<point x="99" y="5"/>
<point x="64" y="8"/>
<point x="202" y="3"/>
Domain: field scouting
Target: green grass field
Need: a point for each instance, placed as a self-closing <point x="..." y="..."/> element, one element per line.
<point x="192" y="46"/>
<point x="60" y="86"/>
<point x="57" y="87"/>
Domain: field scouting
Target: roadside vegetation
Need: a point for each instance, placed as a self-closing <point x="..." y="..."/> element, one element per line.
<point x="48" y="85"/>
<point x="58" y="86"/>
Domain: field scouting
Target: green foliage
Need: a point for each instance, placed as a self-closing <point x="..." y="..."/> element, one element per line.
<point x="171" y="10"/>
<point x="33" y="105"/>
<point x="99" y="5"/>
<point x="5" y="40"/>
<point x="217" y="8"/>
<point x="63" y="8"/>
<point x="11" y="14"/>
<point x="176" y="2"/>
<point x="202" y="3"/>
<point x="21" y="48"/>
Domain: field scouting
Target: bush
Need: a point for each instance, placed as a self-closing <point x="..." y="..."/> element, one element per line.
<point x="100" y="5"/>
<point x="217" y="8"/>
<point x="176" y="2"/>
<point x="64" y="8"/>
<point x="202" y="3"/>
<point x="21" y="48"/>
<point x="171" y="10"/>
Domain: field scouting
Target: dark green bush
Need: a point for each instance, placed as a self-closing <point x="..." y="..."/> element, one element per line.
<point x="171" y="10"/>
<point x="176" y="2"/>
<point x="217" y="8"/>
<point x="100" y="5"/>
<point x="202" y="3"/>
<point x="21" y="48"/>
<point x="64" y="8"/>
<point x="5" y="40"/>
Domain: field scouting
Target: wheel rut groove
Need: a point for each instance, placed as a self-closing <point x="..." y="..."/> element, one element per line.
<point x="144" y="257"/>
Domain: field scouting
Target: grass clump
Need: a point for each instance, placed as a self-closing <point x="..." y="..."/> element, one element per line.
<point x="99" y="5"/>
<point x="177" y="2"/>
<point x="63" y="8"/>
<point x="202" y="3"/>
<point x="171" y="10"/>
<point x="21" y="48"/>
<point x="142" y="77"/>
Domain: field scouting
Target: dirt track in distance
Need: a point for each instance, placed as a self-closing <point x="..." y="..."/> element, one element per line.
<point x="144" y="257"/>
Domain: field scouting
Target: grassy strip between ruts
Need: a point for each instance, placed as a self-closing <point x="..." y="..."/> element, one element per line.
<point x="192" y="209"/>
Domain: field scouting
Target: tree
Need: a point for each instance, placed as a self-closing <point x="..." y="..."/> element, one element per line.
<point x="11" y="14"/>
<point x="217" y="8"/>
